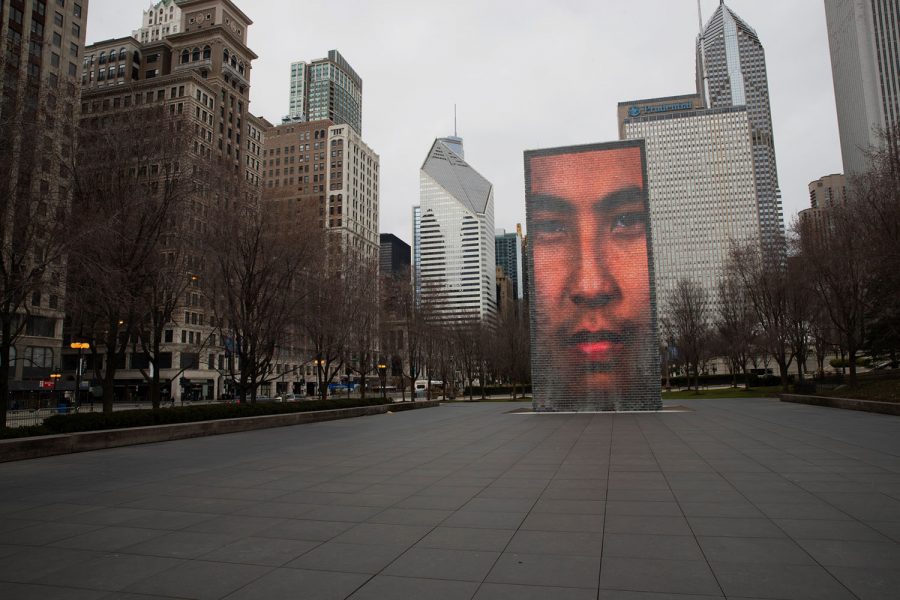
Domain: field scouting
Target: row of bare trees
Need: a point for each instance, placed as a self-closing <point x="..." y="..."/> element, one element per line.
<point x="837" y="292"/>
<point x="424" y="346"/>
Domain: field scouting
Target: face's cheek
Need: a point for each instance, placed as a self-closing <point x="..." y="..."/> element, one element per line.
<point x="551" y="267"/>
<point x="634" y="278"/>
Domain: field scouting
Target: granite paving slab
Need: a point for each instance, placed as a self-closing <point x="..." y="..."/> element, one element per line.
<point x="738" y="499"/>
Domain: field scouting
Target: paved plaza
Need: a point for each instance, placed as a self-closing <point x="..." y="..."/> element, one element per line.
<point x="738" y="499"/>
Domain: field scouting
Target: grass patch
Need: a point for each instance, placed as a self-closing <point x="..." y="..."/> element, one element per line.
<point x="879" y="387"/>
<point x="759" y="392"/>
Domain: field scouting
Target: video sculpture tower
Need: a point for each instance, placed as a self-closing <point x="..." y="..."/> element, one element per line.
<point x="593" y="299"/>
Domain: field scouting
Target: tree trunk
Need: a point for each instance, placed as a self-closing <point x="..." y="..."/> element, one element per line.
<point x="783" y="372"/>
<point x="5" y="344"/>
<point x="109" y="380"/>
<point x="851" y="362"/>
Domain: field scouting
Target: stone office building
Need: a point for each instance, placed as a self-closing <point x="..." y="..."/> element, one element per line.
<point x="200" y="74"/>
<point x="42" y="44"/>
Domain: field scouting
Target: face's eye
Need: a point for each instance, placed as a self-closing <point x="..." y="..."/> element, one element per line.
<point x="550" y="228"/>
<point x="630" y="222"/>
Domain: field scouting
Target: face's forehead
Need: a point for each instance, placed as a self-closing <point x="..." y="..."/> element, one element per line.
<point x="586" y="175"/>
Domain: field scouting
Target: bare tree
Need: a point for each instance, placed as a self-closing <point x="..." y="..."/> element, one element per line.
<point x="33" y="231"/>
<point x="129" y="185"/>
<point x="253" y="274"/>
<point x="735" y="325"/>
<point x="768" y="288"/>
<point x="688" y="323"/>
<point x="362" y="288"/>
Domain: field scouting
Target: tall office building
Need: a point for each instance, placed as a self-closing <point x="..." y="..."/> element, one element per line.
<point x="825" y="194"/>
<point x="160" y="20"/>
<point x="394" y="256"/>
<point x="865" y="64"/>
<point x="456" y="269"/>
<point x="200" y="75"/>
<point x="703" y="195"/>
<point x="42" y="44"/>
<point x="327" y="88"/>
<point x="508" y="250"/>
<point x="732" y="72"/>
<point x="322" y="169"/>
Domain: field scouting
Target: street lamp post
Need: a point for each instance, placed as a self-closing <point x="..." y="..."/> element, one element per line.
<point x="54" y="377"/>
<point x="80" y="346"/>
<point x="382" y="373"/>
<point x="319" y="362"/>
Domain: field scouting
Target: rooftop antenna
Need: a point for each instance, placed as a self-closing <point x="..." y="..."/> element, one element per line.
<point x="454" y="121"/>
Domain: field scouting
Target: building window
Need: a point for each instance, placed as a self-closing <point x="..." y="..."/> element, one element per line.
<point x="41" y="358"/>
<point x="77" y="10"/>
<point x="58" y="19"/>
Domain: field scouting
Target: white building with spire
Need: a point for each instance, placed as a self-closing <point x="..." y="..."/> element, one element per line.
<point x="456" y="274"/>
<point x="160" y="20"/>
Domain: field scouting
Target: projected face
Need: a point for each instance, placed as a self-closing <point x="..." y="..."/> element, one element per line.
<point x="588" y="227"/>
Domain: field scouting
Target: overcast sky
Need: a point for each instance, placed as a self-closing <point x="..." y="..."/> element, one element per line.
<point x="525" y="74"/>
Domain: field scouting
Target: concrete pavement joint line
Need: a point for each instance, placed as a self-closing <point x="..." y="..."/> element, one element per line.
<point x="448" y="452"/>
<point x="781" y="425"/>
<point x="533" y="504"/>
<point x="612" y="430"/>
<point x="781" y="450"/>
<point x="678" y="502"/>
<point x="823" y="567"/>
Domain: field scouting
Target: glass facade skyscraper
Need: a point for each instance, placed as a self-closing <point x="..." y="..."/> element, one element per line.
<point x="865" y="64"/>
<point x="509" y="257"/>
<point x="327" y="88"/>
<point x="700" y="169"/>
<point x="454" y="240"/>
<point x="732" y="72"/>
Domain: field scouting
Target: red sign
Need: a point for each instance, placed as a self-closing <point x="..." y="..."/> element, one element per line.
<point x="47" y="384"/>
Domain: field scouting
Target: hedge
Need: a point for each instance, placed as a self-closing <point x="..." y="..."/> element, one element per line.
<point x="189" y="414"/>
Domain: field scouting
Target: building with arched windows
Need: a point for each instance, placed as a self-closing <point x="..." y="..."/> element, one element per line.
<point x="199" y="74"/>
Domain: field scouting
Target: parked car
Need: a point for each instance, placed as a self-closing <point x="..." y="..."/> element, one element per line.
<point x="289" y="398"/>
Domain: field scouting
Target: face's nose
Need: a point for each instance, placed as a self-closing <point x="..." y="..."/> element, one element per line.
<point x="593" y="284"/>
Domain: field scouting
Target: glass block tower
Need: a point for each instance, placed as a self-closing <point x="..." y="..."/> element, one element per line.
<point x="732" y="72"/>
<point x="454" y="255"/>
<point x="865" y="65"/>
<point x="327" y="88"/>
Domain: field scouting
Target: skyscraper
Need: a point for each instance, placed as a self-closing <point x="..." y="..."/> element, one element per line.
<point x="865" y="65"/>
<point x="325" y="170"/>
<point x="732" y="72"/>
<point x="508" y="247"/>
<point x="326" y="88"/>
<point x="394" y="255"/>
<point x="454" y="252"/>
<point x="202" y="75"/>
<point x="703" y="197"/>
<point x="42" y="46"/>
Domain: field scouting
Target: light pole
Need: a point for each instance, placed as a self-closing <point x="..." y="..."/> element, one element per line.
<point x="80" y="346"/>
<point x="54" y="377"/>
<point x="382" y="373"/>
<point x="319" y="362"/>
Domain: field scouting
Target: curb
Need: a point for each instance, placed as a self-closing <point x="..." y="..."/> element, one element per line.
<point x="54" y="445"/>
<point x="885" y="408"/>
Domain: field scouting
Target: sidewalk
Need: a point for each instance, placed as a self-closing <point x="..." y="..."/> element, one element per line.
<point x="741" y="499"/>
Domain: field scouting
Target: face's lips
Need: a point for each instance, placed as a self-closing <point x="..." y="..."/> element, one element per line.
<point x="596" y="346"/>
